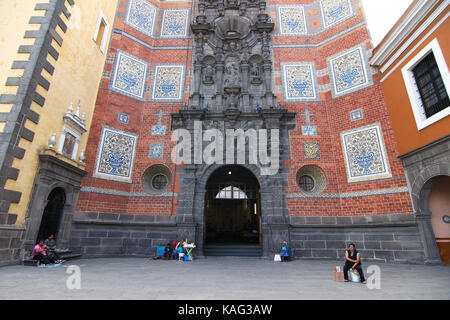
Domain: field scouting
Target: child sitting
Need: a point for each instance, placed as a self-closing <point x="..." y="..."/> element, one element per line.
<point x="284" y="252"/>
<point x="167" y="252"/>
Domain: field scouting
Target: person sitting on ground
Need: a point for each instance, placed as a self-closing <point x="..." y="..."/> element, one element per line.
<point x="180" y="249"/>
<point x="284" y="252"/>
<point x="50" y="242"/>
<point x="39" y="253"/>
<point x="167" y="251"/>
<point x="352" y="262"/>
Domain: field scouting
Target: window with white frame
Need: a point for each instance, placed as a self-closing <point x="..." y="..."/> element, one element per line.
<point x="101" y="32"/>
<point x="427" y="81"/>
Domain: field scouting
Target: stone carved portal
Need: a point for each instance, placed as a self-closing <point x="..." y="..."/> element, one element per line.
<point x="232" y="89"/>
<point x="232" y="49"/>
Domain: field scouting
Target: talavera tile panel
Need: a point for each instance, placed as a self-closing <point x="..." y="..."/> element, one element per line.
<point x="365" y="154"/>
<point x="115" y="155"/>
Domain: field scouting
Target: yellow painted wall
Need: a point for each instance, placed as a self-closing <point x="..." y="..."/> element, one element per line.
<point x="77" y="77"/>
<point x="14" y="18"/>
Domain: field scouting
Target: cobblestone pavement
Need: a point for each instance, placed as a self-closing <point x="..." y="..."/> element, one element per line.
<point x="222" y="278"/>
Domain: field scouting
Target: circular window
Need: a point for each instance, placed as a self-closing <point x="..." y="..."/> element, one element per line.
<point x="306" y="183"/>
<point x="159" y="182"/>
<point x="157" y="179"/>
<point x="311" y="179"/>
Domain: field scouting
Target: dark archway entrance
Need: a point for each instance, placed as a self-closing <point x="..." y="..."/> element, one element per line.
<point x="52" y="214"/>
<point x="232" y="212"/>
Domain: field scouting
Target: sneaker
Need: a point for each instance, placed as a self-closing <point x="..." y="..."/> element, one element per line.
<point x="346" y="280"/>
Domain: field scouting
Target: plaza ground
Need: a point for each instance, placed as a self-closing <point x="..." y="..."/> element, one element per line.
<point x="222" y="278"/>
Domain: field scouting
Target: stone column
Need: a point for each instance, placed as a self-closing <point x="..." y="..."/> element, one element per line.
<point x="219" y="84"/>
<point x="432" y="255"/>
<point x="245" y="95"/>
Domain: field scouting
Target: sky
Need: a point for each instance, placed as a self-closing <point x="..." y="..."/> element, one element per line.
<point x="381" y="16"/>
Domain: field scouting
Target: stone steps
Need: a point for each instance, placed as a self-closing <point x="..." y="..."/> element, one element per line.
<point x="64" y="254"/>
<point x="233" y="250"/>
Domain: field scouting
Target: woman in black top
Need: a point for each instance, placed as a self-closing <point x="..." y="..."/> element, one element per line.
<point x="353" y="261"/>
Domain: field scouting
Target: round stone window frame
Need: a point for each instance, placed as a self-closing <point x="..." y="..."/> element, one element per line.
<point x="151" y="173"/>
<point x="316" y="174"/>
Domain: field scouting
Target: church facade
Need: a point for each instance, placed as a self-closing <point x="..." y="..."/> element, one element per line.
<point x="241" y="123"/>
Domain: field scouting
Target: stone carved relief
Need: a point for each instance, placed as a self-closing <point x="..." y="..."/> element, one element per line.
<point x="232" y="50"/>
<point x="232" y="76"/>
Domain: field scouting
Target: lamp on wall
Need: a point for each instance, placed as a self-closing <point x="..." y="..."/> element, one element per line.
<point x="446" y="219"/>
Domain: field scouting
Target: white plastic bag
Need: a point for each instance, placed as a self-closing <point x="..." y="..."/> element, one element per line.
<point x="354" y="276"/>
<point x="277" y="258"/>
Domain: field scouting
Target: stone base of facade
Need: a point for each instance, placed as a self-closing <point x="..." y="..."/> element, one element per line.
<point x="107" y="235"/>
<point x="383" y="238"/>
<point x="11" y="243"/>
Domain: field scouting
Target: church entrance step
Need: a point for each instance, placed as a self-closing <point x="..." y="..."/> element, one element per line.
<point x="64" y="256"/>
<point x="245" y="250"/>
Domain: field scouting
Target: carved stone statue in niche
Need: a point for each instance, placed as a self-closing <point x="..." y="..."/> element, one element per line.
<point x="232" y="76"/>
<point x="209" y="75"/>
<point x="234" y="46"/>
<point x="255" y="74"/>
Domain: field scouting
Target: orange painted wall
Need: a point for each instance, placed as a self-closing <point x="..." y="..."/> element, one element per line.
<point x="405" y="129"/>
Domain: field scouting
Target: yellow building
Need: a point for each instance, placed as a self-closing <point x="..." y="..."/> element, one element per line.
<point x="51" y="63"/>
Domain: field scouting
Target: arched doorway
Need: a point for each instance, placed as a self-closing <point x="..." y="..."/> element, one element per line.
<point x="52" y="214"/>
<point x="232" y="209"/>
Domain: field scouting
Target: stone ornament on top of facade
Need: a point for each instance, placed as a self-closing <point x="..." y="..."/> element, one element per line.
<point x="292" y="20"/>
<point x="115" y="155"/>
<point x="141" y="16"/>
<point x="349" y="71"/>
<point x="299" y="82"/>
<point x="175" y="23"/>
<point x="335" y="11"/>
<point x="129" y="75"/>
<point x="365" y="154"/>
<point x="168" y="82"/>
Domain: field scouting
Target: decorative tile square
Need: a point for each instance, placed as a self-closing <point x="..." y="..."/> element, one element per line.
<point x="129" y="75"/>
<point x="335" y="11"/>
<point x="141" y="16"/>
<point x="158" y="130"/>
<point x="168" y="83"/>
<point x="156" y="150"/>
<point x="292" y="20"/>
<point x="356" y="115"/>
<point x="299" y="82"/>
<point x="349" y="72"/>
<point x="123" y="118"/>
<point x="365" y="154"/>
<point x="175" y="23"/>
<point x="308" y="129"/>
<point x="311" y="150"/>
<point x="115" y="155"/>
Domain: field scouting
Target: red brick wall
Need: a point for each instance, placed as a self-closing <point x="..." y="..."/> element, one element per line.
<point x="331" y="118"/>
